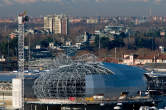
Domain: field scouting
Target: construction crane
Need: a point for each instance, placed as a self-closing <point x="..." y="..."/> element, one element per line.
<point x="22" y="19"/>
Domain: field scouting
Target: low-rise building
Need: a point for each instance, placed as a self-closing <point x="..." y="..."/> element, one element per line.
<point x="76" y="20"/>
<point x="13" y="35"/>
<point x="38" y="47"/>
<point x="162" y="33"/>
<point x="92" y="21"/>
<point x="141" y="60"/>
<point x="2" y="59"/>
<point x="129" y="59"/>
<point x="161" y="59"/>
<point x="51" y="45"/>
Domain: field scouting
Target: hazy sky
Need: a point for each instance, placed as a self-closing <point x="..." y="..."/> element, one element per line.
<point x="83" y="7"/>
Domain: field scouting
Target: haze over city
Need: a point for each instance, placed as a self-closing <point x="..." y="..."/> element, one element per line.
<point x="83" y="7"/>
<point x="82" y="55"/>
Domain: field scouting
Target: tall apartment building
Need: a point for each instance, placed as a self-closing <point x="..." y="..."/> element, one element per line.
<point x="57" y="24"/>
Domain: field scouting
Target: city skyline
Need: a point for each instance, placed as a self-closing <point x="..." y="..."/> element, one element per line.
<point x="83" y="7"/>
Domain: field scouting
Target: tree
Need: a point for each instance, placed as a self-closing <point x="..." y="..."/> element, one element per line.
<point x="105" y="42"/>
<point x="118" y="42"/>
<point x="122" y="35"/>
<point x="13" y="45"/>
<point x="145" y="43"/>
<point x="3" y="48"/>
<point x="44" y="43"/>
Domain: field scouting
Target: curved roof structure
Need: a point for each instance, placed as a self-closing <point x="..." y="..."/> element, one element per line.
<point x="86" y="78"/>
<point x="127" y="75"/>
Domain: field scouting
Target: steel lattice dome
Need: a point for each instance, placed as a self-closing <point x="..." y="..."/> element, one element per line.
<point x="66" y="81"/>
<point x="81" y="78"/>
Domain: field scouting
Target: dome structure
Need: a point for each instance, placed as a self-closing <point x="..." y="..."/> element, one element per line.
<point x="68" y="80"/>
<point x="81" y="78"/>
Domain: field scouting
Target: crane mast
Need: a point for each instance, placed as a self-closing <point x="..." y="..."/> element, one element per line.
<point x="22" y="18"/>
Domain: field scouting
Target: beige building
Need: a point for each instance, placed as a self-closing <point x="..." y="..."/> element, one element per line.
<point x="92" y="21"/>
<point x="137" y="60"/>
<point x="57" y="24"/>
<point x="2" y="59"/>
<point x="141" y="60"/>
<point x="161" y="59"/>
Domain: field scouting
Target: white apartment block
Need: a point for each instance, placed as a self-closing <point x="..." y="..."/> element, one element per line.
<point x="57" y="24"/>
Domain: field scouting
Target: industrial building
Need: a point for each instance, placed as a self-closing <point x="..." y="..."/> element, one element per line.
<point x="156" y="82"/>
<point x="56" y="24"/>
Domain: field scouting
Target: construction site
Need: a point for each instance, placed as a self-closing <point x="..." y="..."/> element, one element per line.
<point x="73" y="83"/>
<point x="82" y="84"/>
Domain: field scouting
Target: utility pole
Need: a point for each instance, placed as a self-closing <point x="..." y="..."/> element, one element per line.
<point x="29" y="54"/>
<point x="115" y="52"/>
<point x="99" y="46"/>
<point x="8" y="47"/>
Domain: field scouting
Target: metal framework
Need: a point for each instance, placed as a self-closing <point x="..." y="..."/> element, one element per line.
<point x="67" y="78"/>
<point x="21" y="50"/>
<point x="21" y="58"/>
<point x="87" y="58"/>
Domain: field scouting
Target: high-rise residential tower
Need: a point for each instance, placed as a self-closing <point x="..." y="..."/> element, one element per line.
<point x="57" y="24"/>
